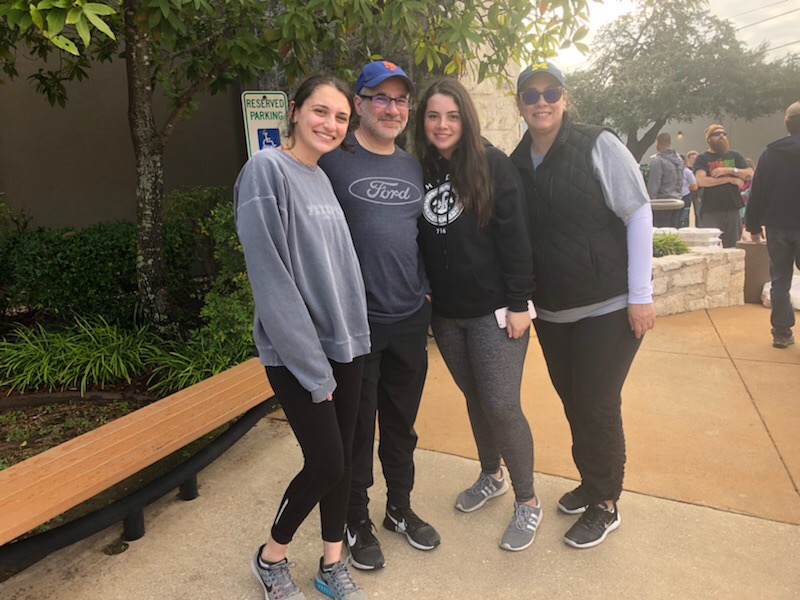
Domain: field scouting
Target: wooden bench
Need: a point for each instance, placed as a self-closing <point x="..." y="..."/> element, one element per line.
<point x="46" y="485"/>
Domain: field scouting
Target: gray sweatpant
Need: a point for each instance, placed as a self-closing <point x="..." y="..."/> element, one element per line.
<point x="487" y="366"/>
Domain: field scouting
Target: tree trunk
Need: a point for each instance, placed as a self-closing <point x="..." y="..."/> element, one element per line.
<point x="149" y="151"/>
<point x="639" y="147"/>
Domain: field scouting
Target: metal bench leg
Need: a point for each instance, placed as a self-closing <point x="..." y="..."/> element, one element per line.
<point x="133" y="526"/>
<point x="188" y="489"/>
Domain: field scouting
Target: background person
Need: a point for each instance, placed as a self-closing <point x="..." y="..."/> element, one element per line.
<point x="665" y="180"/>
<point x="721" y="172"/>
<point x="380" y="189"/>
<point x="775" y="202"/>
<point x="691" y="156"/>
<point x="478" y="260"/>
<point x="591" y="235"/>
<point x="310" y="324"/>
<point x="688" y="192"/>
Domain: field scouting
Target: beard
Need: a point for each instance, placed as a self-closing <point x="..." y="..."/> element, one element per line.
<point x="719" y="145"/>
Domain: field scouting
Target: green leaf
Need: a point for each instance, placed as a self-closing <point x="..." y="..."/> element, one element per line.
<point x="37" y="18"/>
<point x="44" y="4"/>
<point x="73" y="16"/>
<point x="154" y="19"/>
<point x="55" y="21"/>
<point x="82" y="27"/>
<point x="98" y="9"/>
<point x="100" y="24"/>
<point x="67" y="45"/>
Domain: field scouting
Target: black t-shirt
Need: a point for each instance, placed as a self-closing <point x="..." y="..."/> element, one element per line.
<point x="727" y="195"/>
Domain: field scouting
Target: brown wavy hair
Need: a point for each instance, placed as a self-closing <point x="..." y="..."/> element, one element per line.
<point x="469" y="165"/>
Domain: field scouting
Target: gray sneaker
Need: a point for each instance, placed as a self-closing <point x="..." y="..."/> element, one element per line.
<point x="337" y="583"/>
<point x="276" y="580"/>
<point x="485" y="488"/>
<point x="522" y="529"/>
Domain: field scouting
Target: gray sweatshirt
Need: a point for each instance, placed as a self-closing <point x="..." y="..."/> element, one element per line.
<point x="310" y="302"/>
<point x="665" y="179"/>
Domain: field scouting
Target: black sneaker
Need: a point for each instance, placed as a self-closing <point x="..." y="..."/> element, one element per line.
<point x="782" y="341"/>
<point x="419" y="534"/>
<point x="573" y="503"/>
<point x="593" y="526"/>
<point x="364" y="547"/>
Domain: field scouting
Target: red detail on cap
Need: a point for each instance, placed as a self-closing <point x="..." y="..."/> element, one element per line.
<point x="390" y="65"/>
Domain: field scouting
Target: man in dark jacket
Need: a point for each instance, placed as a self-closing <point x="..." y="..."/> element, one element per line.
<point x="775" y="202"/>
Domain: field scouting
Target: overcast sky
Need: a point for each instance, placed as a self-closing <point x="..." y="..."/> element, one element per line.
<point x="781" y="26"/>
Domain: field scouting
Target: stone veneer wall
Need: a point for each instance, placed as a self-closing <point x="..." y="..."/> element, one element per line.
<point x="703" y="278"/>
<point x="497" y="110"/>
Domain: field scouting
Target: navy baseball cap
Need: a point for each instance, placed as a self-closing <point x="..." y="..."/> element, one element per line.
<point x="542" y="67"/>
<point x="375" y="73"/>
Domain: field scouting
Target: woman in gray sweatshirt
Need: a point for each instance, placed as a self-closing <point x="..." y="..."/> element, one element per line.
<point x="310" y="324"/>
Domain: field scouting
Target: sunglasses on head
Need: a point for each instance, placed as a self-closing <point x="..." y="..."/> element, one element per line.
<point x="719" y="134"/>
<point x="550" y="96"/>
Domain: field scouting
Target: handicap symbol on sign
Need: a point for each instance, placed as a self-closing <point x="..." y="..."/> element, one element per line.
<point x="269" y="138"/>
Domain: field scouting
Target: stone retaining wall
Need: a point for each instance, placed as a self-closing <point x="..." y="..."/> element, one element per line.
<point x="703" y="278"/>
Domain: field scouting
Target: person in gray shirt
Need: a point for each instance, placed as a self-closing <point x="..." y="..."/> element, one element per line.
<point x="310" y="325"/>
<point x="665" y="180"/>
<point x="380" y="188"/>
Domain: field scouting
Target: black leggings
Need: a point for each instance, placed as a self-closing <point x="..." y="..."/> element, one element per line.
<point x="588" y="362"/>
<point x="325" y="434"/>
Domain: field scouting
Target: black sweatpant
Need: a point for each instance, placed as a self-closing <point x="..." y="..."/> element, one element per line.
<point x="325" y="434"/>
<point x="588" y="362"/>
<point x="394" y="375"/>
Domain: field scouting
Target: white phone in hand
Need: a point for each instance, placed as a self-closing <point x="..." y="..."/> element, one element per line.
<point x="501" y="314"/>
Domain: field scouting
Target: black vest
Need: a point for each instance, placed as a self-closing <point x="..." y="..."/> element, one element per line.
<point x="580" y="250"/>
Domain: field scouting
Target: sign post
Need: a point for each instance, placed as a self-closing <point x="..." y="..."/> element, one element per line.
<point x="264" y="117"/>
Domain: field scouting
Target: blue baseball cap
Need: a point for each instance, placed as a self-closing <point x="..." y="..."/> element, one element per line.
<point x="375" y="73"/>
<point x="542" y="67"/>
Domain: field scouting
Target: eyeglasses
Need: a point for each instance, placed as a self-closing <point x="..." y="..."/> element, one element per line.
<point x="381" y="101"/>
<point x="719" y="134"/>
<point x="551" y="96"/>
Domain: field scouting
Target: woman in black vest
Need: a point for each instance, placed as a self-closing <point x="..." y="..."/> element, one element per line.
<point x="591" y="236"/>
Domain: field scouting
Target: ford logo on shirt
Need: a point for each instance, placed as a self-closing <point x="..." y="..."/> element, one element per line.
<point x="385" y="190"/>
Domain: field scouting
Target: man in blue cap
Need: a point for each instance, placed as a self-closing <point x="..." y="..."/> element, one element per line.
<point x="380" y="188"/>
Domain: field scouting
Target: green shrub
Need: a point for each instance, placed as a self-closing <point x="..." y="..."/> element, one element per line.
<point x="667" y="244"/>
<point x="90" y="353"/>
<point x="13" y="223"/>
<point x="91" y="272"/>
<point x="225" y="337"/>
<point x="193" y="207"/>
<point x="179" y="364"/>
<point x="12" y="220"/>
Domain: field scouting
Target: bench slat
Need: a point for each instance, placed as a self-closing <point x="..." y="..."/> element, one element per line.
<point x="246" y="373"/>
<point x="156" y="412"/>
<point x="54" y="481"/>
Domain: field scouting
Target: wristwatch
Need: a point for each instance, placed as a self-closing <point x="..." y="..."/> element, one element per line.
<point x="735" y="170"/>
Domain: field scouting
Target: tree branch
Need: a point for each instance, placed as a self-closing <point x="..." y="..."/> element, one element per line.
<point x="186" y="99"/>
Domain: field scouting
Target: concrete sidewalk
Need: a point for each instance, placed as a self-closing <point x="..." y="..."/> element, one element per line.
<point x="711" y="507"/>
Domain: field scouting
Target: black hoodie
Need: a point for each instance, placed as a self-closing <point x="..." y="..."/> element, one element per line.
<point x="473" y="272"/>
<point x="775" y="194"/>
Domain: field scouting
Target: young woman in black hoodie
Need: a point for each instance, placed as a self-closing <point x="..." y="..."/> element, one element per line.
<point x="477" y="254"/>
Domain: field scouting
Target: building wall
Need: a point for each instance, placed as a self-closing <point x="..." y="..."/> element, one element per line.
<point x="75" y="166"/>
<point x="497" y="110"/>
